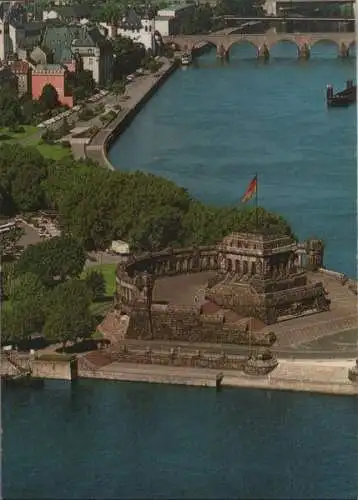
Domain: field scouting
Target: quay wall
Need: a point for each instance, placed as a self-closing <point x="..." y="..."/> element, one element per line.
<point x="312" y="377"/>
<point x="103" y="140"/>
<point x="16" y="364"/>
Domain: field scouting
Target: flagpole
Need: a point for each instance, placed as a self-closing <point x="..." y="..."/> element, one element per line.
<point x="257" y="202"/>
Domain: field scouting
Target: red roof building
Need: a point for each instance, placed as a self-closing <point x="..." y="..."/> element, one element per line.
<point x="55" y="75"/>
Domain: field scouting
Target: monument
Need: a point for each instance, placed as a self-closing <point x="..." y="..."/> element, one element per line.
<point x="248" y="276"/>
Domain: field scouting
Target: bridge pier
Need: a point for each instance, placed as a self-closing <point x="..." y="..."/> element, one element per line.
<point x="222" y="53"/>
<point x="343" y="50"/>
<point x="304" y="52"/>
<point x="264" y="53"/>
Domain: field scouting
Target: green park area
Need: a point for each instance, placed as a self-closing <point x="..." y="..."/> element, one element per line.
<point x="29" y="135"/>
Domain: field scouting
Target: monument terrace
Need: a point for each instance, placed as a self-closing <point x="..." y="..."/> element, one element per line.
<point x="264" y="43"/>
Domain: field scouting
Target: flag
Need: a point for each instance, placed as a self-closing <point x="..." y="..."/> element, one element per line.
<point x="250" y="191"/>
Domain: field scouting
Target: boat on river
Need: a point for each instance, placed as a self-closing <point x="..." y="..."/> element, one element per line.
<point x="186" y="59"/>
<point x="344" y="97"/>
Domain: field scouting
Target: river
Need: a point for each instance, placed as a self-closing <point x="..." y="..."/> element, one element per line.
<point x="107" y="440"/>
<point x="213" y="126"/>
<point x="210" y="128"/>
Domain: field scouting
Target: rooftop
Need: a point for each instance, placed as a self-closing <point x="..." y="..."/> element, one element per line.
<point x="50" y="68"/>
<point x="19" y="66"/>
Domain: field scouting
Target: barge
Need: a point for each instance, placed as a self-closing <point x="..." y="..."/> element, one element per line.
<point x="343" y="98"/>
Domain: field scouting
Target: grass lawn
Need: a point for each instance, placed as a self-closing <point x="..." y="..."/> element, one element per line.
<point x="53" y="152"/>
<point x="32" y="137"/>
<point x="109" y="274"/>
<point x="7" y="136"/>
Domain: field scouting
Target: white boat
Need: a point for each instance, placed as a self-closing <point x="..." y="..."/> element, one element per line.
<point x="186" y="59"/>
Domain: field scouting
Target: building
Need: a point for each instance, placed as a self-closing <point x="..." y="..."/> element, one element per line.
<point x="96" y="54"/>
<point x="68" y="13"/>
<point x="69" y="44"/>
<point x="55" y="75"/>
<point x="169" y="21"/>
<point x="138" y="28"/>
<point x="23" y="71"/>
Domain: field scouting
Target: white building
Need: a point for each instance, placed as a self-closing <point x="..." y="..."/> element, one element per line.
<point x="140" y="30"/>
<point x="170" y="20"/>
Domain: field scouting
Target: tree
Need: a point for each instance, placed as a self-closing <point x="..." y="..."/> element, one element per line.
<point x="55" y="259"/>
<point x="22" y="170"/>
<point x="68" y="314"/>
<point x="10" y="108"/>
<point x="8" y="278"/>
<point x="118" y="88"/>
<point x="49" y="97"/>
<point x="21" y="321"/>
<point x="96" y="284"/>
<point x="28" y="286"/>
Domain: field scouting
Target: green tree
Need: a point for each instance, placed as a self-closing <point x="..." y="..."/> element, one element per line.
<point x="8" y="278"/>
<point x="96" y="284"/>
<point x="27" y="287"/>
<point x="22" y="171"/>
<point x="68" y="313"/>
<point x="49" y="97"/>
<point x="118" y="88"/>
<point x="10" y="108"/>
<point x="55" y="259"/>
<point x="21" y="321"/>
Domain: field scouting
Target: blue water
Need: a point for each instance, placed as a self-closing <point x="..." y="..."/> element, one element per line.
<point x="211" y="127"/>
<point x="109" y="440"/>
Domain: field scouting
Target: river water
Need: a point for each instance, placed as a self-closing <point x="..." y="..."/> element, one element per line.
<point x="213" y="126"/>
<point x="210" y="128"/>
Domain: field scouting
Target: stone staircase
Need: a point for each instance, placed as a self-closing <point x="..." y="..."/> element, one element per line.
<point x="14" y="366"/>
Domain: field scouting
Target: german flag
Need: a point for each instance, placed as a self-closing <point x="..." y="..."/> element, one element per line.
<point x="250" y="191"/>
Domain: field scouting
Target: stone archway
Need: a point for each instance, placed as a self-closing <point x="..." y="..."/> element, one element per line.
<point x="242" y="43"/>
<point x="282" y="48"/>
<point x="320" y="47"/>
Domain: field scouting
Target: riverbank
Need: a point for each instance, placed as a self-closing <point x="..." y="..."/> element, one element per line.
<point x="317" y="376"/>
<point x="137" y="94"/>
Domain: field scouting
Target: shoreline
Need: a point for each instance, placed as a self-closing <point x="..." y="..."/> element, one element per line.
<point x="321" y="377"/>
<point x="138" y="92"/>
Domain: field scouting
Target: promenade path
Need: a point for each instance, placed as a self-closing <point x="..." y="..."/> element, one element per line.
<point x="135" y="92"/>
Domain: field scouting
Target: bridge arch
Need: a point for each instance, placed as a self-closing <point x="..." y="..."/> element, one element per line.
<point x="352" y="49"/>
<point x="281" y="43"/>
<point x="198" y="43"/>
<point x="316" y="47"/>
<point x="242" y="43"/>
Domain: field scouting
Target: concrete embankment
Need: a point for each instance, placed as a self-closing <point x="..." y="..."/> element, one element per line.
<point x="318" y="376"/>
<point x="138" y="93"/>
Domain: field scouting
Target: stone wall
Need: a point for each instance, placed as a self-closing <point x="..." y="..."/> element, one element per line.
<point x="186" y="324"/>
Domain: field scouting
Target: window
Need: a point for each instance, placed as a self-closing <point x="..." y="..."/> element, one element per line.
<point x="237" y="266"/>
<point x="229" y="265"/>
<point x="253" y="268"/>
<point x="245" y="267"/>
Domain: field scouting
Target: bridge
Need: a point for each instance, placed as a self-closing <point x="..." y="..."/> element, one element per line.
<point x="271" y="5"/>
<point x="264" y="43"/>
<point x="287" y="18"/>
